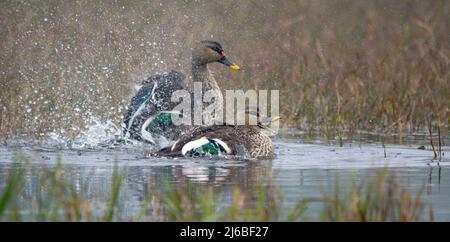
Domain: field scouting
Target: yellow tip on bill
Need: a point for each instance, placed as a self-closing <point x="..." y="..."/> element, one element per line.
<point x="235" y="67"/>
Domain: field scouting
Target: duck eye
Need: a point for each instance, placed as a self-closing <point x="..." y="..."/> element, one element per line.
<point x="216" y="49"/>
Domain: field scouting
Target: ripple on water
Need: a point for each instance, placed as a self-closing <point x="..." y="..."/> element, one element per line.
<point x="288" y="155"/>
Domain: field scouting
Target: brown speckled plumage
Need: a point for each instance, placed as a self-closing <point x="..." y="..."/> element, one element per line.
<point x="244" y="141"/>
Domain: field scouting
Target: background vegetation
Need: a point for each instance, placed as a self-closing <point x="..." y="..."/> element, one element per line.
<point x="342" y="65"/>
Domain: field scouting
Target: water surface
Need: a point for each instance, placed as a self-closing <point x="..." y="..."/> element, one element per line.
<point x="302" y="168"/>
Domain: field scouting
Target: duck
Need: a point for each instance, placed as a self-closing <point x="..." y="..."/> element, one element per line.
<point x="242" y="141"/>
<point x="150" y="112"/>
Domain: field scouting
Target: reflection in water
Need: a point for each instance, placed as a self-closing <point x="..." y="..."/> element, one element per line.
<point x="434" y="177"/>
<point x="141" y="179"/>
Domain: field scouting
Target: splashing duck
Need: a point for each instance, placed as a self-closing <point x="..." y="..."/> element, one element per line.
<point x="150" y="111"/>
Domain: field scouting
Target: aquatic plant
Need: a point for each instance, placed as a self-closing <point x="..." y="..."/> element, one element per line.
<point x="380" y="198"/>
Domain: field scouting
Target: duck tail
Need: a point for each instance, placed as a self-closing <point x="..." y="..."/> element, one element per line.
<point x="166" y="152"/>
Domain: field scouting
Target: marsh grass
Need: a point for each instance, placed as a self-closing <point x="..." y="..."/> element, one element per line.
<point x="340" y="66"/>
<point x="379" y="198"/>
<point x="55" y="198"/>
<point x="116" y="182"/>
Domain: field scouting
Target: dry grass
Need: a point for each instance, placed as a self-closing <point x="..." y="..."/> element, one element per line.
<point x="340" y="65"/>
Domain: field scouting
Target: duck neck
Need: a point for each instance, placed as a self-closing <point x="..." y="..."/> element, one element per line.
<point x="201" y="73"/>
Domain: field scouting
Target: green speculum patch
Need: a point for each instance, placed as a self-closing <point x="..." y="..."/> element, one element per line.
<point x="159" y="121"/>
<point x="209" y="148"/>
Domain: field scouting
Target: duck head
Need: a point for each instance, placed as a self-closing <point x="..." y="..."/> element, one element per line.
<point x="208" y="51"/>
<point x="256" y="118"/>
<point x="265" y="123"/>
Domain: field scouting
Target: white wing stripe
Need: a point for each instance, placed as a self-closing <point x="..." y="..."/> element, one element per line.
<point x="194" y="145"/>
<point x="173" y="146"/>
<point x="144" y="133"/>
<point x="224" y="145"/>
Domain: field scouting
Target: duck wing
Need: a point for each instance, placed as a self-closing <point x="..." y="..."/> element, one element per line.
<point x="212" y="139"/>
<point x="151" y="99"/>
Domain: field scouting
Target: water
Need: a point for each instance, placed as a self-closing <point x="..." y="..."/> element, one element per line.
<point x="303" y="167"/>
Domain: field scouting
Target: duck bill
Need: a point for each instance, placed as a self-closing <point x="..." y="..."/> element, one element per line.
<point x="228" y="63"/>
<point x="267" y="121"/>
<point x="276" y="118"/>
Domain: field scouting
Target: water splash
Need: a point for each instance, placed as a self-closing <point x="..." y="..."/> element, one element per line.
<point x="97" y="135"/>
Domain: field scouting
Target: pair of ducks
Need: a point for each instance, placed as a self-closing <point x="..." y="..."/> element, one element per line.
<point x="150" y="113"/>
